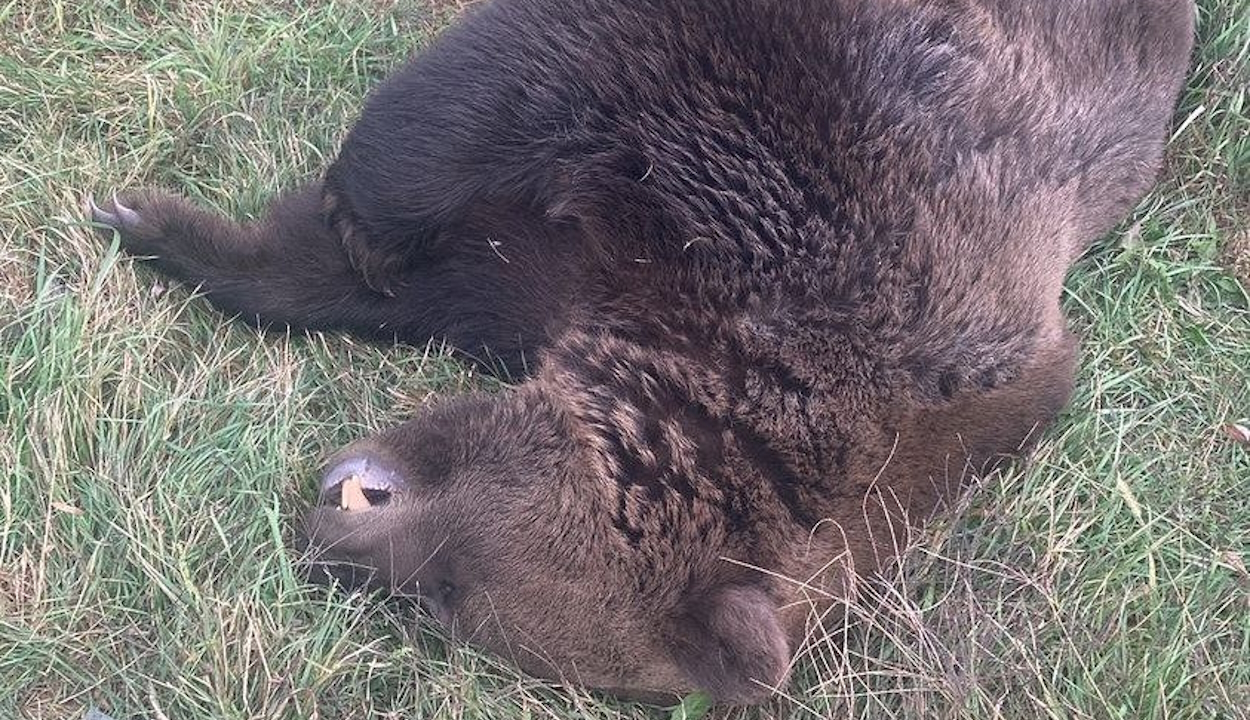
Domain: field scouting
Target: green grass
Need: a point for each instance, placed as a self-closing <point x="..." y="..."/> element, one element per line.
<point x="154" y="455"/>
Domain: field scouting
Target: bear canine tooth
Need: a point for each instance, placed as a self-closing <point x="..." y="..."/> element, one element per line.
<point x="353" y="495"/>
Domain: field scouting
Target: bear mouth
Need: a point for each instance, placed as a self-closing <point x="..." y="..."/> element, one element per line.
<point x="351" y="495"/>
<point x="359" y="483"/>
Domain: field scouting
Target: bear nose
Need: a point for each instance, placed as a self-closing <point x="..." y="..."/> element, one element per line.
<point x="360" y="481"/>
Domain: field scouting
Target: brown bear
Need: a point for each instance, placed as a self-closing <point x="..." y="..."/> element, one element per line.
<point x="776" y="276"/>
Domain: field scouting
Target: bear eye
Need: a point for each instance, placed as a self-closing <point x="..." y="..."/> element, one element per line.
<point x="438" y="598"/>
<point x="446" y="592"/>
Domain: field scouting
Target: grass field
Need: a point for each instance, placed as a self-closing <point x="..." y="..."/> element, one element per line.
<point x="154" y="455"/>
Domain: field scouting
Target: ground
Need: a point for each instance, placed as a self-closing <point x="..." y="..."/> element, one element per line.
<point x="154" y="455"/>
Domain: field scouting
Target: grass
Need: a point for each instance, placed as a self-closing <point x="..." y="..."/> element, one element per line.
<point x="153" y="454"/>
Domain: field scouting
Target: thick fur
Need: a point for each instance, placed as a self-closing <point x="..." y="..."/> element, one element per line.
<point x="780" y="273"/>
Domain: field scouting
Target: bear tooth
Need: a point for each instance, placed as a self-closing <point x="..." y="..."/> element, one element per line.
<point x="353" y="495"/>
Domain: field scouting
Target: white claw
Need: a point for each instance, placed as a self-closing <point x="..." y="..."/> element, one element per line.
<point x="127" y="216"/>
<point x="99" y="215"/>
<point x="119" y="217"/>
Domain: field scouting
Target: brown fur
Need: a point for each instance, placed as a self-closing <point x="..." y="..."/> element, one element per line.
<point x="781" y="273"/>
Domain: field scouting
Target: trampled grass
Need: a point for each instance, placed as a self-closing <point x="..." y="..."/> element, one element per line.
<point x="153" y="454"/>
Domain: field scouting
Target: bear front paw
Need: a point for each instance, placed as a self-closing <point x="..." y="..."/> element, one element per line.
<point x="135" y="217"/>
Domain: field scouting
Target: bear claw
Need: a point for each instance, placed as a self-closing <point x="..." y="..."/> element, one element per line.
<point x="119" y="217"/>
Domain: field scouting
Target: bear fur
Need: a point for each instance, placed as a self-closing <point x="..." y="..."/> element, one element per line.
<point x="776" y="276"/>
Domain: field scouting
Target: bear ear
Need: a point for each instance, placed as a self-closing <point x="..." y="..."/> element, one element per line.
<point x="730" y="644"/>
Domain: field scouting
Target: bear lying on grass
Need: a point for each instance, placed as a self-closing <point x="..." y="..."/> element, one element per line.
<point x="778" y="275"/>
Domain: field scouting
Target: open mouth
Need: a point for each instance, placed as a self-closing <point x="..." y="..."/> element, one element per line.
<point x="352" y="495"/>
<point x="360" y="483"/>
